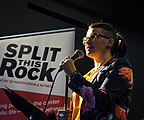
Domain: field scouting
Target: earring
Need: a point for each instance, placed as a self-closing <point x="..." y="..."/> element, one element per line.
<point x="108" y="46"/>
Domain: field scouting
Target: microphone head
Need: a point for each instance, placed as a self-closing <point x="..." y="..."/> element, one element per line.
<point x="78" y="54"/>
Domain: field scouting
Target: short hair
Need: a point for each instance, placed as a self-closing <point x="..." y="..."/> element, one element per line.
<point x="119" y="47"/>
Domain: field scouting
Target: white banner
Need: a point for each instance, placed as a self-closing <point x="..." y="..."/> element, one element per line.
<point x="29" y="62"/>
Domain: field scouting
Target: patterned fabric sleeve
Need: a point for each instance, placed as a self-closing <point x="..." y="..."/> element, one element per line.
<point x="118" y="80"/>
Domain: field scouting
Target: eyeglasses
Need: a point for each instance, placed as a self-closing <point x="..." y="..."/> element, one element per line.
<point x="93" y="37"/>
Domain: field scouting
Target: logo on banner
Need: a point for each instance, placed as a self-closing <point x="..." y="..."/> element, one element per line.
<point x="34" y="67"/>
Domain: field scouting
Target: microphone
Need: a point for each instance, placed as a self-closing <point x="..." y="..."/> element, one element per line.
<point x="78" y="54"/>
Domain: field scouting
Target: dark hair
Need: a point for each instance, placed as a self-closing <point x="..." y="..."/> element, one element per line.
<point x="119" y="48"/>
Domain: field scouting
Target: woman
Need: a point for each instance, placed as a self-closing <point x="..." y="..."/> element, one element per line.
<point x="104" y="93"/>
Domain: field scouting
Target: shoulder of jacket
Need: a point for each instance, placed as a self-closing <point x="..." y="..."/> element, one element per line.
<point x="121" y="62"/>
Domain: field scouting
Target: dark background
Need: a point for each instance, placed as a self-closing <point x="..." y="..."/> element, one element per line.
<point x="126" y="16"/>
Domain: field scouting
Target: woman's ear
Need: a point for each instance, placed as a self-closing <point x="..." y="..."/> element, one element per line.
<point x="110" y="43"/>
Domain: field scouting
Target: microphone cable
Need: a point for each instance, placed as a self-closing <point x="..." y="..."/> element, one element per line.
<point x="50" y="91"/>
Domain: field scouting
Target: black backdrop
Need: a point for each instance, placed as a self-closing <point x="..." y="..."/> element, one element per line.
<point x="17" y="18"/>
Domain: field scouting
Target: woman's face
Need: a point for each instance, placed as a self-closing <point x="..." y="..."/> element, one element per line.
<point x="97" y="43"/>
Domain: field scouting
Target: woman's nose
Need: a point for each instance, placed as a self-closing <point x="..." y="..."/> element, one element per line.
<point x="88" y="41"/>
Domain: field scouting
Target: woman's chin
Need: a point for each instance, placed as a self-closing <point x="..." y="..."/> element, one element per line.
<point x="89" y="54"/>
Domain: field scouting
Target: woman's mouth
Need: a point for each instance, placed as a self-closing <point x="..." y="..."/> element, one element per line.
<point x="88" y="47"/>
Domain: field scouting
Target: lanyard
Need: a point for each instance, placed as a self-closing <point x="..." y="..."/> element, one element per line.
<point x="93" y="79"/>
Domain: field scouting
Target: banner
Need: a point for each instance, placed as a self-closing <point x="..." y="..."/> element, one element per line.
<point x="28" y="64"/>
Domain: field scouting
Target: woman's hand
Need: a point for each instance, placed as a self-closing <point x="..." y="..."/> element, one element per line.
<point x="68" y="66"/>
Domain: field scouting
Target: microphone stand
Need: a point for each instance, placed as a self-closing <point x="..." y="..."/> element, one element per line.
<point x="52" y="115"/>
<point x="66" y="93"/>
<point x="65" y="114"/>
<point x="62" y="114"/>
<point x="51" y="90"/>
